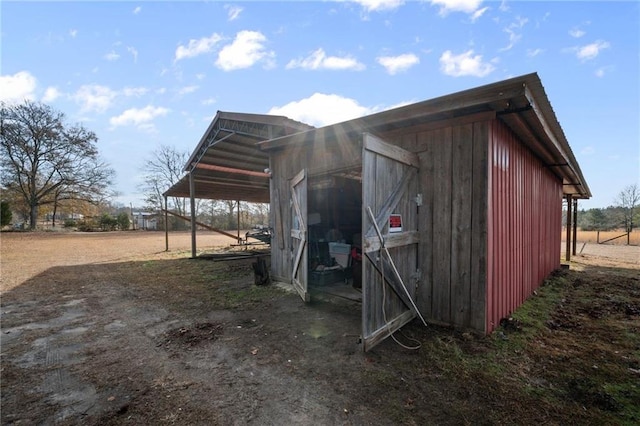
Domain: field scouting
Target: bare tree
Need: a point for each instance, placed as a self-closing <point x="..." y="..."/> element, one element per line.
<point x="161" y="170"/>
<point x="628" y="200"/>
<point x="45" y="160"/>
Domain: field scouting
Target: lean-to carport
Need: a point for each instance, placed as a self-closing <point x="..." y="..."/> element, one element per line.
<point x="228" y="165"/>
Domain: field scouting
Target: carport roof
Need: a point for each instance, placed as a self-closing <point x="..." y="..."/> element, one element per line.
<point x="227" y="164"/>
<point x="520" y="102"/>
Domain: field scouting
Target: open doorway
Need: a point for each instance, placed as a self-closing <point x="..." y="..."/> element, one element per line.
<point x="334" y="234"/>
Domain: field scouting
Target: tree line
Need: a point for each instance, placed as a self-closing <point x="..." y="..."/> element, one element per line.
<point x="48" y="165"/>
<point x="51" y="169"/>
<point x="624" y="215"/>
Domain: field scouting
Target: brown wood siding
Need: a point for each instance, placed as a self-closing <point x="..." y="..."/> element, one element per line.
<point x="452" y="222"/>
<point x="322" y="157"/>
<point x="524" y="224"/>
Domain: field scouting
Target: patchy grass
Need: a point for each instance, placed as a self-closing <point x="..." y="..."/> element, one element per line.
<point x="570" y="354"/>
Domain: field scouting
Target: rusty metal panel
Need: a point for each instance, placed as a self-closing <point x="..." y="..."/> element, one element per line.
<point x="524" y="224"/>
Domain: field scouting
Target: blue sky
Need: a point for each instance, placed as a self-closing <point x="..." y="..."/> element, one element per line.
<point x="144" y="74"/>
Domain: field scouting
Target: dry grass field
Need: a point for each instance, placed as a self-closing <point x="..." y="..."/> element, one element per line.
<point x="109" y="329"/>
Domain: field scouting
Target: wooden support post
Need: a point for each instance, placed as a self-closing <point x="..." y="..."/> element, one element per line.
<point x="238" y="207"/>
<point x="166" y="225"/>
<point x="567" y="254"/>
<point x="192" y="190"/>
<point x="575" y="226"/>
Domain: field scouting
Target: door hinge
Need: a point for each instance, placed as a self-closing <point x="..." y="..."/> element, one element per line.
<point x="419" y="200"/>
<point x="417" y="276"/>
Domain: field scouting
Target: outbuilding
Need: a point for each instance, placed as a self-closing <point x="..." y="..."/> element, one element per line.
<point x="448" y="209"/>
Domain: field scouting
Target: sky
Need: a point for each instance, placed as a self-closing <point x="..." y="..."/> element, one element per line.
<point x="143" y="74"/>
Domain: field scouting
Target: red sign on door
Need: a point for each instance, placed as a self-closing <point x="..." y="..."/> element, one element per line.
<point x="395" y="223"/>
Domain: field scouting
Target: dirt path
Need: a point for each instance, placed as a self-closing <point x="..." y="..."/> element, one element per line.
<point x="106" y="329"/>
<point x="26" y="254"/>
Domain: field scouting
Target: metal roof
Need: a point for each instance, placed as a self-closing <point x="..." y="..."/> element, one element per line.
<point x="230" y="160"/>
<point x="227" y="164"/>
<point x="520" y="102"/>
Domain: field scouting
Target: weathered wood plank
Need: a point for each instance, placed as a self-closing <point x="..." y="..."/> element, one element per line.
<point x="461" y="186"/>
<point x="400" y="239"/>
<point x="479" y="225"/>
<point x="442" y="226"/>
<point x="375" y="144"/>
<point x="427" y="183"/>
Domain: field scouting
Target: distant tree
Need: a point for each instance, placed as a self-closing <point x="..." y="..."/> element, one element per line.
<point x="108" y="222"/>
<point x="5" y="213"/>
<point x="123" y="221"/>
<point x="595" y="220"/>
<point x="629" y="200"/>
<point x="45" y="160"/>
<point x="162" y="169"/>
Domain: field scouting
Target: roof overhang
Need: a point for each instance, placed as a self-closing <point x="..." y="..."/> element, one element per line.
<point x="227" y="164"/>
<point x="521" y="103"/>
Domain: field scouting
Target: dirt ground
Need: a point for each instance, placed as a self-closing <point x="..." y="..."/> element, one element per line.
<point x="107" y="328"/>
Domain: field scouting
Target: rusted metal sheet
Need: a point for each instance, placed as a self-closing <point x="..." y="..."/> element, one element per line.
<point x="524" y="224"/>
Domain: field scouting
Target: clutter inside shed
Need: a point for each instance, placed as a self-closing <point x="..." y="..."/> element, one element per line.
<point x="334" y="229"/>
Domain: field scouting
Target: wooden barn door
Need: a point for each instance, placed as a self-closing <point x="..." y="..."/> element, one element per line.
<point x="299" y="275"/>
<point x="390" y="243"/>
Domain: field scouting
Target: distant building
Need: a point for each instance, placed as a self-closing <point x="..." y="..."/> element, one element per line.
<point x="145" y="220"/>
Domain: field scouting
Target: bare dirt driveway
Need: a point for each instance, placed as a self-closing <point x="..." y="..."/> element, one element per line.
<point x="107" y="328"/>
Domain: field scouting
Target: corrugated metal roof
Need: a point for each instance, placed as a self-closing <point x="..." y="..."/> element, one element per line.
<point x="227" y="164"/>
<point x="520" y="102"/>
<point x="237" y="142"/>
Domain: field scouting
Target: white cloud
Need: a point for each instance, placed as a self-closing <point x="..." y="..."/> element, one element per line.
<point x="322" y="109"/>
<point x="465" y="6"/>
<point x="134" y="91"/>
<point x="245" y="51"/>
<point x="94" y="98"/>
<point x="478" y="13"/>
<point x="73" y="33"/>
<point x="590" y="51"/>
<point x="137" y="10"/>
<point x="396" y="64"/>
<point x="208" y="101"/>
<point x="17" y="87"/>
<point x="197" y="47"/>
<point x="379" y="5"/>
<point x="142" y="118"/>
<point x="188" y="89"/>
<point x="602" y="71"/>
<point x="318" y="59"/>
<point x="587" y="150"/>
<point x="233" y="12"/>
<point x="134" y="53"/>
<point x="51" y="94"/>
<point x="532" y="53"/>
<point x="464" y="64"/>
<point x="576" y="33"/>
<point x="112" y="56"/>
<point x="512" y="29"/>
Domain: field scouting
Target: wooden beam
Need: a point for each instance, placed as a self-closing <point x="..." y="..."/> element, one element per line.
<point x="210" y="228"/>
<point x="231" y="170"/>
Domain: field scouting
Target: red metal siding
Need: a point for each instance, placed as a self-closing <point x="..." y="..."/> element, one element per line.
<point x="524" y="224"/>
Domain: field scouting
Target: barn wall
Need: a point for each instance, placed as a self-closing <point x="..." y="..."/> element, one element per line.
<point x="320" y="157"/>
<point x="524" y="228"/>
<point x="453" y="222"/>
